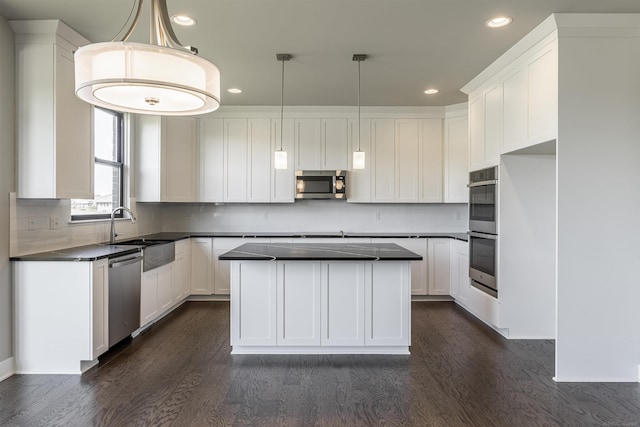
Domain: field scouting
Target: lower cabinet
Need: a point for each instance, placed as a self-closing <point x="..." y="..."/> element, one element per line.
<point x="155" y="293"/>
<point x="459" y="270"/>
<point x="181" y="286"/>
<point x="439" y="266"/>
<point x="201" y="266"/>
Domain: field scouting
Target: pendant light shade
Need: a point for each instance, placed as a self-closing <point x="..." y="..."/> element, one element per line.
<point x="280" y="159"/>
<point x="161" y="78"/>
<point x="358" y="156"/>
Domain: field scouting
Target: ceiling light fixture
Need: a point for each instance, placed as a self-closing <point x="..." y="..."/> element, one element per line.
<point x="431" y="91"/>
<point x="280" y="160"/>
<point x="184" y="20"/>
<point x="358" y="156"/>
<point x="498" y="21"/>
<point x="162" y="77"/>
<point x="234" y="90"/>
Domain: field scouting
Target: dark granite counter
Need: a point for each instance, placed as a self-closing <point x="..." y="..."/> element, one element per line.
<point x="320" y="252"/>
<point x="81" y="253"/>
<point x="294" y="234"/>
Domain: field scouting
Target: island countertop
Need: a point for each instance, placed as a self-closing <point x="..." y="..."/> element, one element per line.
<point x="320" y="252"/>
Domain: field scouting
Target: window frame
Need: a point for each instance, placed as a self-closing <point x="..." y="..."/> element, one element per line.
<point x="118" y="164"/>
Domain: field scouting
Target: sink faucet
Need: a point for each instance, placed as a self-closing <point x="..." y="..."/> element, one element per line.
<point x="113" y="228"/>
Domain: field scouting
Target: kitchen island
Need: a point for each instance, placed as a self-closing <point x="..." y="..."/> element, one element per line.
<point x="308" y="298"/>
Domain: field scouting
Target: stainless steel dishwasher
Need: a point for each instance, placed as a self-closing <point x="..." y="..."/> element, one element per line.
<point x="124" y="296"/>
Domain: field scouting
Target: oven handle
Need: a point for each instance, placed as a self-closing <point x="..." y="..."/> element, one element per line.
<point x="481" y="183"/>
<point x="482" y="235"/>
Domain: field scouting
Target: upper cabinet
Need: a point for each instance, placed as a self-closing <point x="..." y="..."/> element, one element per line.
<point x="165" y="158"/>
<point x="321" y="144"/>
<point x="456" y="159"/>
<point x="54" y="127"/>
<point x="514" y="103"/>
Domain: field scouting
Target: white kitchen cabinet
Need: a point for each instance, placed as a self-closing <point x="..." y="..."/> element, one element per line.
<point x="201" y="266"/>
<point x="382" y="160"/>
<point x="456" y="159"/>
<point x="260" y="159"/>
<point x="542" y="68"/>
<point x="298" y="303"/>
<point x="165" y="287"/>
<point x="54" y="127"/>
<point x="165" y="158"/>
<point x="253" y="304"/>
<point x="221" y="269"/>
<point x="308" y="140"/>
<point x="342" y="303"/>
<point x="485" y="127"/>
<point x="321" y="144"/>
<point x="431" y="168"/>
<point x="359" y="180"/>
<point x="235" y="160"/>
<point x="156" y="295"/>
<point x="60" y="302"/>
<point x="211" y="153"/>
<point x="459" y="270"/>
<point x="439" y="266"/>
<point x="283" y="180"/>
<point x="407" y="160"/>
<point x="419" y="269"/>
<point x="515" y="91"/>
<point x="182" y="271"/>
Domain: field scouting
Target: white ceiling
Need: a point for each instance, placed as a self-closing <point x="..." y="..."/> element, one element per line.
<point x="412" y="44"/>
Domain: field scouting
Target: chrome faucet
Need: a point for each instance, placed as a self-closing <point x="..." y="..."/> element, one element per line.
<point x="113" y="228"/>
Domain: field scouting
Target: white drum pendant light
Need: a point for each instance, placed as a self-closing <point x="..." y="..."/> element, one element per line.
<point x="280" y="160"/>
<point x="358" y="156"/>
<point x="162" y="78"/>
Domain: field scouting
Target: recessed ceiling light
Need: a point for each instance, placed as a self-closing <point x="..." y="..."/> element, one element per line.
<point x="234" y="90"/>
<point x="431" y="91"/>
<point x="498" y="21"/>
<point x="183" y="20"/>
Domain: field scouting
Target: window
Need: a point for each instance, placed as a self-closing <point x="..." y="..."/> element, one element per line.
<point x="109" y="167"/>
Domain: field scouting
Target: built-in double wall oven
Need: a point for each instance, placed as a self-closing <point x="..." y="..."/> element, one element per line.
<point x="483" y="230"/>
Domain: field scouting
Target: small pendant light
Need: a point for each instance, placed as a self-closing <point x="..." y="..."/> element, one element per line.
<point x="358" y="156"/>
<point x="280" y="160"/>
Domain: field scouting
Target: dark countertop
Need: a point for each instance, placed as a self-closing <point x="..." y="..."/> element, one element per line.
<point x="105" y="250"/>
<point x="320" y="252"/>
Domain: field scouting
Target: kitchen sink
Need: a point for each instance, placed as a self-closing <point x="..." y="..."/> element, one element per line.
<point x="156" y="253"/>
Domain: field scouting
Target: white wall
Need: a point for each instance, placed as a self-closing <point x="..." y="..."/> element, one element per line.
<point x="598" y="280"/>
<point x="7" y="185"/>
<point x="315" y="216"/>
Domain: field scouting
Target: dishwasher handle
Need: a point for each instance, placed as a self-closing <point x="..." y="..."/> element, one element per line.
<point x="122" y="261"/>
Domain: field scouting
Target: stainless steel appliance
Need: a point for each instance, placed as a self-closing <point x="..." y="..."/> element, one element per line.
<point x="483" y="190"/>
<point x="321" y="184"/>
<point x="483" y="229"/>
<point x="124" y="296"/>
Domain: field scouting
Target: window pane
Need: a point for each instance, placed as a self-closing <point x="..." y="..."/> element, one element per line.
<point x="106" y="135"/>
<point x="107" y="193"/>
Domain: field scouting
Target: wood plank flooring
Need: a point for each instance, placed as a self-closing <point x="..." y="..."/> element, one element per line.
<point x="180" y="373"/>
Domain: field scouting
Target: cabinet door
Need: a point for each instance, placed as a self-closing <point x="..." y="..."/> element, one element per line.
<point x="456" y="160"/>
<point x="419" y="269"/>
<point x="383" y="160"/>
<point x="179" y="159"/>
<point x="182" y="270"/>
<point x="260" y="156"/>
<point x="148" y="158"/>
<point x="283" y="180"/>
<point x="430" y="161"/>
<point x="492" y="125"/>
<point x="235" y="162"/>
<point x="459" y="270"/>
<point x="543" y="95"/>
<point x="254" y="321"/>
<point x="149" y="296"/>
<point x="308" y="144"/>
<point x="335" y="146"/>
<point x="74" y="136"/>
<point x="514" y="98"/>
<point x="165" y="287"/>
<point x="439" y="267"/>
<point x="100" y="292"/>
<point x="298" y="303"/>
<point x="476" y="132"/>
<point x="407" y="160"/>
<point x="387" y="304"/>
<point x="342" y="303"/>
<point x="359" y="180"/>
<point x="221" y="269"/>
<point x="211" y="143"/>
<point x="201" y="271"/>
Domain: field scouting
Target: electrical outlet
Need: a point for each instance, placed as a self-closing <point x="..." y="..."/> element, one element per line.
<point x="456" y="216"/>
<point x="32" y="223"/>
<point x="265" y="216"/>
<point x="376" y="216"/>
<point x="54" y="223"/>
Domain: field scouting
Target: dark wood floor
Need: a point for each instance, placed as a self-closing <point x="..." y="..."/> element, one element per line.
<point x="180" y="373"/>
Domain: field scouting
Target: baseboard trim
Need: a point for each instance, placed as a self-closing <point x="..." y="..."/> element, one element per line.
<point x="7" y="368"/>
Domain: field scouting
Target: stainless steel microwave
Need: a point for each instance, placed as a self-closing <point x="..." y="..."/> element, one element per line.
<point x="321" y="184"/>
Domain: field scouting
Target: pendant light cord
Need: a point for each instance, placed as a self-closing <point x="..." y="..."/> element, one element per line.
<point x="282" y="105"/>
<point x="359" y="105"/>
